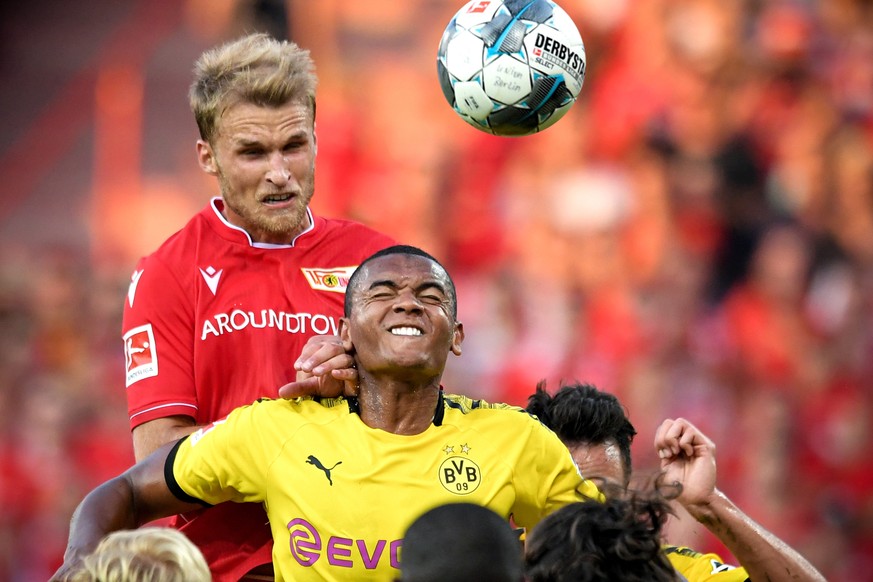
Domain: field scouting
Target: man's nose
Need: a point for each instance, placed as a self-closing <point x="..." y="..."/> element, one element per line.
<point x="279" y="173"/>
<point x="407" y="301"/>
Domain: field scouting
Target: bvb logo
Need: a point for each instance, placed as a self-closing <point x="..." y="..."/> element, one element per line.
<point x="460" y="475"/>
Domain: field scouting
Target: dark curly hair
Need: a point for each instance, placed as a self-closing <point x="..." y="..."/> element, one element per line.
<point x="580" y="414"/>
<point x="593" y="541"/>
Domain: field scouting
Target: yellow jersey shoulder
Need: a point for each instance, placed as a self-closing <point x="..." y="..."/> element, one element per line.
<point x="465" y="404"/>
<point x="697" y="567"/>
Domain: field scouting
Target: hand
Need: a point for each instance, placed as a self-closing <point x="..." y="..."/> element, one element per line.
<point x="687" y="457"/>
<point x="324" y="368"/>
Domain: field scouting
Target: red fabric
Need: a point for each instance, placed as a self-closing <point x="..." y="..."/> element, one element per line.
<point x="213" y="353"/>
<point x="202" y="351"/>
<point x="234" y="538"/>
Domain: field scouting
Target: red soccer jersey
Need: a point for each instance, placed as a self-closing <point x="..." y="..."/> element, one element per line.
<point x="213" y="321"/>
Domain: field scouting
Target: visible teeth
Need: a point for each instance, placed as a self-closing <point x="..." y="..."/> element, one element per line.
<point x="277" y="198"/>
<point x="405" y="331"/>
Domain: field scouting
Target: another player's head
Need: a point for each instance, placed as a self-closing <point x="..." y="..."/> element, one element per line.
<point x="460" y="542"/>
<point x="592" y="424"/>
<point x="591" y="541"/>
<point x="401" y="250"/>
<point x="256" y="69"/>
<point x="149" y="554"/>
<point x="254" y="102"/>
<point x="400" y="317"/>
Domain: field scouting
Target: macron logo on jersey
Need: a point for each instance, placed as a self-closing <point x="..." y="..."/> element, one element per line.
<point x="134" y="280"/>
<point x="334" y="280"/>
<point x="140" y="357"/>
<point x="211" y="276"/>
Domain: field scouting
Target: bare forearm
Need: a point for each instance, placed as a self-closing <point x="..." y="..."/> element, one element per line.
<point x="764" y="556"/>
<point x="137" y="496"/>
<point x="107" y="508"/>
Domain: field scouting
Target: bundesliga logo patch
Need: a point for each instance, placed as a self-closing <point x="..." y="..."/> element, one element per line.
<point x="140" y="358"/>
<point x="334" y="280"/>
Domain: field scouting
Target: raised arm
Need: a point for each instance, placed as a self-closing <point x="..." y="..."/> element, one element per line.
<point x="688" y="457"/>
<point x="135" y="497"/>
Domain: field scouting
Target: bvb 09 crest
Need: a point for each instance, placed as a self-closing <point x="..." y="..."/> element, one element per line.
<point x="460" y="475"/>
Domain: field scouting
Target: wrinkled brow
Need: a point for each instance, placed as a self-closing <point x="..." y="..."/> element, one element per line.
<point x="393" y="285"/>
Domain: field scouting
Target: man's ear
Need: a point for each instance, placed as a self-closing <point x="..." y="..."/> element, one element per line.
<point x="457" y="338"/>
<point x="206" y="158"/>
<point x="344" y="334"/>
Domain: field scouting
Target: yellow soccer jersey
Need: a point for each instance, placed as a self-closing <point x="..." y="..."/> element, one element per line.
<point x="697" y="567"/>
<point x="340" y="494"/>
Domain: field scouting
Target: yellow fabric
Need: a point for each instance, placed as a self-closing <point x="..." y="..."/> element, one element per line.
<point x="697" y="567"/>
<point x="340" y="494"/>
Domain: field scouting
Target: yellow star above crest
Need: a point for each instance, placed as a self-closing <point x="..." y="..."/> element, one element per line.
<point x="448" y="450"/>
<point x="465" y="449"/>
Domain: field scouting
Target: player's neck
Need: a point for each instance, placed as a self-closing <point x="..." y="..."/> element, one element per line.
<point x="398" y="407"/>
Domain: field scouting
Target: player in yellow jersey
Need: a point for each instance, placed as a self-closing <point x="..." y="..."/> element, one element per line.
<point x="342" y="479"/>
<point x="595" y="428"/>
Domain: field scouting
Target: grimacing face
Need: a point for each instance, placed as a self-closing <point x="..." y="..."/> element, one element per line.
<point x="264" y="159"/>
<point x="401" y="318"/>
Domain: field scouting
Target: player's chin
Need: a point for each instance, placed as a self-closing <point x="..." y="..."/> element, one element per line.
<point x="286" y="220"/>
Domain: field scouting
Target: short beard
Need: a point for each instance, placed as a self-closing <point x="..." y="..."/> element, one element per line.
<point x="286" y="226"/>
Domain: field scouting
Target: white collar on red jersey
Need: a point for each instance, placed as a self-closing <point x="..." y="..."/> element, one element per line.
<point x="215" y="208"/>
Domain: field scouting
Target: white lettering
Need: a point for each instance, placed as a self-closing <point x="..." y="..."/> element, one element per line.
<point x="263" y="322"/>
<point x="235" y="316"/>
<point x="208" y="328"/>
<point x="294" y="323"/>
<point x="221" y="320"/>
<point x="325" y="324"/>
<point x="289" y="317"/>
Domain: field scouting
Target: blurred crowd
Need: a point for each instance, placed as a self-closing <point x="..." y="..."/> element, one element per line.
<point x="695" y="235"/>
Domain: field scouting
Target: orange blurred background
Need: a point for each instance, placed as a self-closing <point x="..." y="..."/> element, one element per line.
<point x="696" y="235"/>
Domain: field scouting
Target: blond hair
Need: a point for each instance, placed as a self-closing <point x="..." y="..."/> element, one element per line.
<point x="255" y="69"/>
<point x="149" y="554"/>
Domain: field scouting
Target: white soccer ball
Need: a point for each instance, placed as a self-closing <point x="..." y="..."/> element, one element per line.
<point x="511" y="67"/>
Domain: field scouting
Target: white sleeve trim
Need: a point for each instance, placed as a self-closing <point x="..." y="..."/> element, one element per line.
<point x="132" y="416"/>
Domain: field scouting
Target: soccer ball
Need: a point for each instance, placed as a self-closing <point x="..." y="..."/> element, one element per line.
<point x="511" y="67"/>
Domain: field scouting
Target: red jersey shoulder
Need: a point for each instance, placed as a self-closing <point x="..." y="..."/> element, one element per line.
<point x="333" y="238"/>
<point x="195" y="238"/>
<point x="335" y="249"/>
<point x="206" y="247"/>
<point x="170" y="264"/>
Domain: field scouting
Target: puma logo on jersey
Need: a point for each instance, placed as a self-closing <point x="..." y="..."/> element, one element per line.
<point x="211" y="276"/>
<point x="312" y="460"/>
